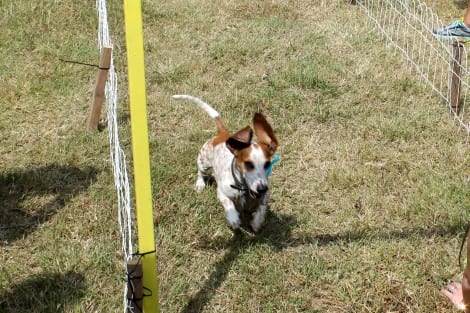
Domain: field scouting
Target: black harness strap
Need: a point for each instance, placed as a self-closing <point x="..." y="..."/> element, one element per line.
<point x="240" y="186"/>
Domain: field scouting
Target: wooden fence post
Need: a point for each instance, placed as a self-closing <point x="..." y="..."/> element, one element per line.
<point x="98" y="95"/>
<point x="455" y="84"/>
<point x="135" y="290"/>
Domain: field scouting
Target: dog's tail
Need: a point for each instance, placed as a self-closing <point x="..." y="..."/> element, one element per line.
<point x="207" y="108"/>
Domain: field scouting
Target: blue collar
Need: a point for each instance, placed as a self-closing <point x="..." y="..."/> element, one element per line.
<point x="276" y="159"/>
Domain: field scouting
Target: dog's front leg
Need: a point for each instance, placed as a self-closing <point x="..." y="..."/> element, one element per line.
<point x="232" y="215"/>
<point x="258" y="218"/>
<point x="260" y="214"/>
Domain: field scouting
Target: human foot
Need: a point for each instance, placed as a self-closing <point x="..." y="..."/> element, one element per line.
<point x="453" y="291"/>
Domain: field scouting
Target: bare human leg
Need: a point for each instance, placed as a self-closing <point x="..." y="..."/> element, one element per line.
<point x="459" y="294"/>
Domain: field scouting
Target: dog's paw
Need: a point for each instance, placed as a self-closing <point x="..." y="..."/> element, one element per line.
<point x="233" y="219"/>
<point x="200" y="184"/>
<point x="258" y="220"/>
<point x="237" y="232"/>
<point x="255" y="227"/>
<point x="235" y="225"/>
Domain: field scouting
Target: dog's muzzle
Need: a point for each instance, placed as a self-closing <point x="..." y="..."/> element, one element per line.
<point x="260" y="191"/>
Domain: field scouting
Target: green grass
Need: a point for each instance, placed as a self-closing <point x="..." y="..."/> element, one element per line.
<point x="369" y="201"/>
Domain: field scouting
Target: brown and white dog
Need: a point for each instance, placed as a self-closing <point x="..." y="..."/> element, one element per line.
<point x="238" y="166"/>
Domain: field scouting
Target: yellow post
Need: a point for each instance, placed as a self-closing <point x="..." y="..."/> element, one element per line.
<point x="140" y="151"/>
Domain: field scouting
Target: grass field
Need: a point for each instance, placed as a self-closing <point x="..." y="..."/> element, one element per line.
<point x="368" y="204"/>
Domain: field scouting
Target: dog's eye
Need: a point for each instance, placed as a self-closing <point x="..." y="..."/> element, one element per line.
<point x="266" y="165"/>
<point x="249" y="165"/>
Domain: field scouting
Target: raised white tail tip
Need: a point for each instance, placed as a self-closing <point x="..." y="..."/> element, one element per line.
<point x="206" y="107"/>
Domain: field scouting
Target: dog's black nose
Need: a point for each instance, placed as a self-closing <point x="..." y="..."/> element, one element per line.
<point x="261" y="189"/>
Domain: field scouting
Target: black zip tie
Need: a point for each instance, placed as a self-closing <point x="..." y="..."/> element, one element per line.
<point x="135" y="301"/>
<point x="146" y="292"/>
<point x="82" y="63"/>
<point x="139" y="260"/>
<point x="144" y="253"/>
<point x="149" y="294"/>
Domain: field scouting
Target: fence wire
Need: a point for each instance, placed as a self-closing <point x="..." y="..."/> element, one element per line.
<point x="408" y="27"/>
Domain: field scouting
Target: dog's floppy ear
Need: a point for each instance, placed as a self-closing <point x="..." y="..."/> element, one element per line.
<point x="265" y="133"/>
<point x="240" y="140"/>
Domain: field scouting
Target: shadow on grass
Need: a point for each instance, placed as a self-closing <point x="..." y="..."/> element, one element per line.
<point x="200" y="300"/>
<point x="277" y="233"/>
<point x="371" y="235"/>
<point x="274" y="232"/>
<point x="30" y="197"/>
<point x="43" y="293"/>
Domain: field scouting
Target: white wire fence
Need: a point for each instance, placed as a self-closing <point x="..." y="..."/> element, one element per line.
<point x="440" y="65"/>
<point x="117" y="155"/>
